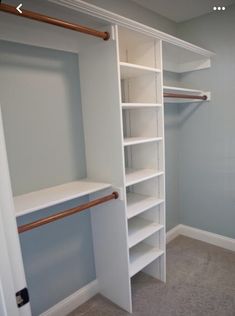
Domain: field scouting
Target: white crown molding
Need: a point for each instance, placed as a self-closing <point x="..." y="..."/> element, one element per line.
<point x="114" y="18"/>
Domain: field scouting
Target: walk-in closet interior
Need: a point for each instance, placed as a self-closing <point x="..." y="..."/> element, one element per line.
<point x="106" y="145"/>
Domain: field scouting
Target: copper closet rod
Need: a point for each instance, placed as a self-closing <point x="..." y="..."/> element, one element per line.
<point x="185" y="96"/>
<point x="66" y="213"/>
<point x="46" y="19"/>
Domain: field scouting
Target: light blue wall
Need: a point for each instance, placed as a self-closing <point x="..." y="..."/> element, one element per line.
<point x="171" y="113"/>
<point x="207" y="131"/>
<point x="40" y="99"/>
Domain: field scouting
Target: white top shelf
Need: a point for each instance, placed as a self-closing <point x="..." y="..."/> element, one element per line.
<point x="138" y="203"/>
<point x="141" y="255"/>
<point x="140" y="105"/>
<point x="132" y="70"/>
<point x="181" y="90"/>
<point x="34" y="201"/>
<point x="140" y="229"/>
<point x="136" y="176"/>
<point x="140" y="140"/>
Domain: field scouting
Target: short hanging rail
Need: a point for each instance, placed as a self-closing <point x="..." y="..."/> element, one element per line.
<point x="185" y="96"/>
<point x="66" y="213"/>
<point x="46" y="19"/>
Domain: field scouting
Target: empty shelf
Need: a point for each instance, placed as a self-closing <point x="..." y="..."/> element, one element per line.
<point x="138" y="203"/>
<point x="136" y="176"/>
<point x="140" y="105"/>
<point x="131" y="70"/>
<point x="140" y="140"/>
<point x="37" y="200"/>
<point x="140" y="229"/>
<point x="141" y="255"/>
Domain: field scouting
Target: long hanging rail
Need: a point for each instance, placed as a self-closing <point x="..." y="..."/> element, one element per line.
<point x="60" y="215"/>
<point x="185" y="96"/>
<point x="46" y="19"/>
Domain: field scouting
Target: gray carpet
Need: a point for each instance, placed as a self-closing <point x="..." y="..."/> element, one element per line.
<point x="200" y="281"/>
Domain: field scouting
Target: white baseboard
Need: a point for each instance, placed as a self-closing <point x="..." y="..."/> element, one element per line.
<point x="71" y="302"/>
<point x="173" y="233"/>
<point x="202" y="235"/>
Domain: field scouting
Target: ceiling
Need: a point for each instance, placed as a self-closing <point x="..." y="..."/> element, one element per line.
<point x="183" y="10"/>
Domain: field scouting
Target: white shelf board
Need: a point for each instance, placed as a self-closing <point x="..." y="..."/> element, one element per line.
<point x="138" y="203"/>
<point x="140" y="140"/>
<point x="141" y="255"/>
<point x="135" y="176"/>
<point x="172" y="89"/>
<point x="140" y="229"/>
<point x="182" y="90"/>
<point x="132" y="70"/>
<point x="129" y="106"/>
<point x="34" y="201"/>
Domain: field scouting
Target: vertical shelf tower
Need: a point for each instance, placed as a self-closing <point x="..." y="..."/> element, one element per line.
<point x="123" y="117"/>
<point x="141" y="100"/>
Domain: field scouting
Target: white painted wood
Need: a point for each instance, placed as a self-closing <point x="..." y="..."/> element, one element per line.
<point x="140" y="140"/>
<point x="132" y="70"/>
<point x="136" y="48"/>
<point x="180" y="60"/>
<point x="135" y="176"/>
<point x="105" y="162"/>
<point x="202" y="235"/>
<point x="140" y="229"/>
<point x="142" y="255"/>
<point x="10" y="227"/>
<point x="111" y="17"/>
<point x="141" y="89"/>
<point x="138" y="203"/>
<point x="34" y="201"/>
<point x="7" y="291"/>
<point x="181" y="90"/>
<point x="140" y="105"/>
<point x="142" y="122"/>
<point x="73" y="301"/>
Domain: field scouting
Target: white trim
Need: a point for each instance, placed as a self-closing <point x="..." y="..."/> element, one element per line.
<point x="71" y="302"/>
<point x="84" y="7"/>
<point x="202" y="235"/>
<point x="173" y="233"/>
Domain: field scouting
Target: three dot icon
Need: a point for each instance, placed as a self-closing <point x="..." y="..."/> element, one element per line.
<point x="219" y="8"/>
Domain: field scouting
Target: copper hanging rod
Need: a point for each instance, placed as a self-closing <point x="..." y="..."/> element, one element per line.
<point x="60" y="215"/>
<point x="185" y="96"/>
<point x="46" y="19"/>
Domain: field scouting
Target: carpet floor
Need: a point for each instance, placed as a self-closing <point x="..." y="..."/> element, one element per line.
<point x="200" y="282"/>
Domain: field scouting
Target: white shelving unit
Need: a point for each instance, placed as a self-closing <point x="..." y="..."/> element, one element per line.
<point x="140" y="65"/>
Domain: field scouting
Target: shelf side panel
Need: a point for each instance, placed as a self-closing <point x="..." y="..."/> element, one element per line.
<point x="99" y="76"/>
